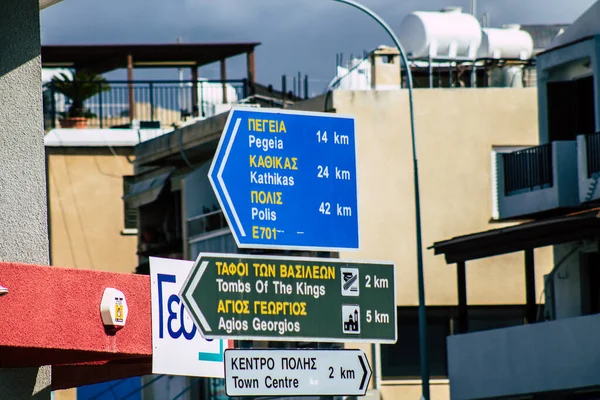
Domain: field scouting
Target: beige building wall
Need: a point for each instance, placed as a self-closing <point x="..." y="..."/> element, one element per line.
<point x="85" y="186"/>
<point x="455" y="129"/>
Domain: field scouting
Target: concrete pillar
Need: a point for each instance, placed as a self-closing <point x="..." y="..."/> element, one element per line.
<point x="195" y="106"/>
<point x="530" y="287"/>
<point x="224" y="79"/>
<point x="463" y="311"/>
<point x="542" y="98"/>
<point x="23" y="207"/>
<point x="130" y="91"/>
<point x="23" y="211"/>
<point x="250" y="64"/>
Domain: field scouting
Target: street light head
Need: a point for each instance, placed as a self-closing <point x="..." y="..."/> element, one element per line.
<point x="3" y="290"/>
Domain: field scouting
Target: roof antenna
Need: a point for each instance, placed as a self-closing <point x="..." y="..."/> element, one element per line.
<point x="474" y="8"/>
<point x="485" y="20"/>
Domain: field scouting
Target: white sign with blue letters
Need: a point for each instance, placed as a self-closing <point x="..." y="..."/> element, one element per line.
<point x="178" y="348"/>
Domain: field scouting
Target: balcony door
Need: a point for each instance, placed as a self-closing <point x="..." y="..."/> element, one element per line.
<point x="571" y="108"/>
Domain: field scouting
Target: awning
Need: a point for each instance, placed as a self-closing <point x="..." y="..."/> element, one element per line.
<point x="530" y="235"/>
<point x="145" y="191"/>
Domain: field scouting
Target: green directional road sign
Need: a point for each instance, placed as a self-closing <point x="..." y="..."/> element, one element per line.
<point x="245" y="297"/>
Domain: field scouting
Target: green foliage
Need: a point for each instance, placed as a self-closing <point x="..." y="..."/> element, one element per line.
<point x="84" y="85"/>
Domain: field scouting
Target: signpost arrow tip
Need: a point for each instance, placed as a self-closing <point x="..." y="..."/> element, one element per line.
<point x="188" y="295"/>
<point x="366" y="373"/>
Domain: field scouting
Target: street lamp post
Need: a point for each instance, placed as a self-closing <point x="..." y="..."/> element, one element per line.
<point x="422" y="311"/>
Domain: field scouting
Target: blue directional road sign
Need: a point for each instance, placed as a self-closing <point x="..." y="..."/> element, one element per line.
<point x="287" y="179"/>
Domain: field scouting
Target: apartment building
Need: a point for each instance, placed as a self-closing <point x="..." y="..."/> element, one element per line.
<point x="551" y="189"/>
<point x="89" y="227"/>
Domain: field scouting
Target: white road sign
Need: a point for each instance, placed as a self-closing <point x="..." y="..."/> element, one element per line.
<point x="178" y="347"/>
<point x="281" y="372"/>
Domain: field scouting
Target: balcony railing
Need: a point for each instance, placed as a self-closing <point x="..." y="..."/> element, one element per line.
<point x="205" y="223"/>
<point x="528" y="169"/>
<point x="593" y="154"/>
<point x="156" y="103"/>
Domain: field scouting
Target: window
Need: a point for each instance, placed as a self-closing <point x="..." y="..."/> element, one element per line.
<point x="130" y="214"/>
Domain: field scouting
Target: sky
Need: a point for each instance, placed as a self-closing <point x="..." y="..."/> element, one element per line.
<point x="295" y="35"/>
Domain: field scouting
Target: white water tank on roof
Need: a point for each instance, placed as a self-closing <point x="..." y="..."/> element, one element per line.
<point x="506" y="42"/>
<point x="448" y="33"/>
